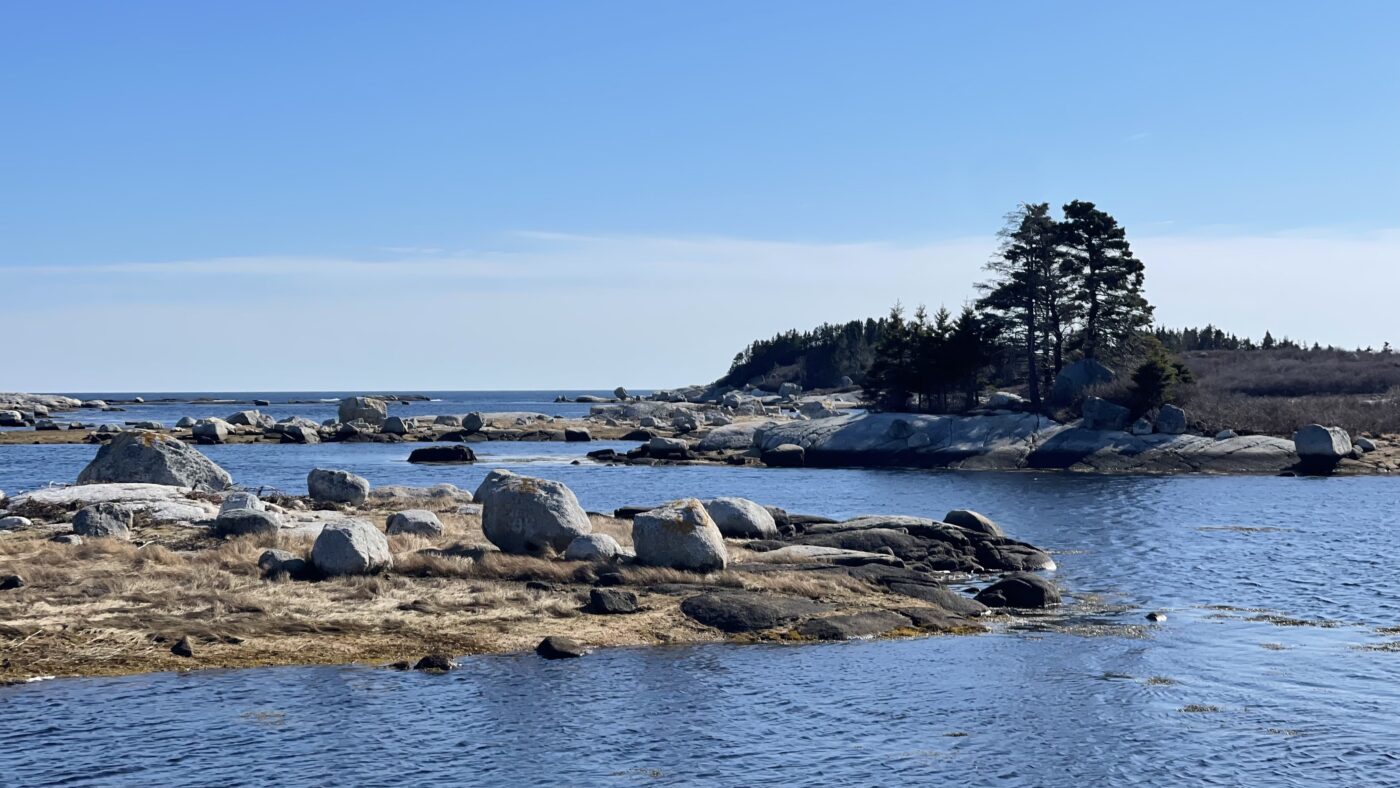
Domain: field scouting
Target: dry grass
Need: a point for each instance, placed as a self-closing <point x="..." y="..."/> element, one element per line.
<point x="113" y="607"/>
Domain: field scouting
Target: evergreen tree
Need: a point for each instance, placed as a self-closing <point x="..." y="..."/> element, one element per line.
<point x="1106" y="278"/>
<point x="890" y="380"/>
<point x="1026" y="280"/>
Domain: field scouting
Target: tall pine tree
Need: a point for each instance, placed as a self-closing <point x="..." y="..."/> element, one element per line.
<point x="1026" y="280"/>
<point x="1106" y="279"/>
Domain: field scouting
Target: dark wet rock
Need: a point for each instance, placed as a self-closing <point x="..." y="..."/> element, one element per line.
<point x="936" y="545"/>
<point x="335" y="486"/>
<point x="609" y="579"/>
<point x="454" y="454"/>
<point x="573" y="435"/>
<point x="602" y="454"/>
<point x="11" y="582"/>
<point x="147" y="457"/>
<point x="746" y="611"/>
<point x="247" y="522"/>
<point x="103" y="521"/>
<point x="973" y="521"/>
<point x="183" y="648"/>
<point x="786" y="455"/>
<point x="933" y="618"/>
<point x="558" y="647"/>
<point x="639" y="435"/>
<point x="610" y="601"/>
<point x="435" y="663"/>
<point x="1022" y="590"/>
<point x="629" y="512"/>
<point x="853" y="625"/>
<point x="946" y="599"/>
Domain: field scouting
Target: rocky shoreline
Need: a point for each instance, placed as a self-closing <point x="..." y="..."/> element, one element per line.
<point x="156" y="561"/>
<point x="822" y="429"/>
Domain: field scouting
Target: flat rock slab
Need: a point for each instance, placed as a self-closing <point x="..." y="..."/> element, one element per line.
<point x="159" y="502"/>
<point x="816" y="554"/>
<point x="941" y="597"/>
<point x="851" y="626"/>
<point x="745" y="611"/>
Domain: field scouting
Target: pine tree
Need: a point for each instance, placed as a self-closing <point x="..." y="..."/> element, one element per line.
<point x="1107" y="279"/>
<point x="1026" y="279"/>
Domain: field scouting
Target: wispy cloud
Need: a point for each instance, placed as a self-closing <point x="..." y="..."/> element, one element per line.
<point x="556" y="309"/>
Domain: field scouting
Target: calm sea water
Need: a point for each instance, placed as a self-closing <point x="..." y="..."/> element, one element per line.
<point x="1275" y="589"/>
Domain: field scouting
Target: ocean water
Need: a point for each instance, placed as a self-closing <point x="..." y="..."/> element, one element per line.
<point x="1278" y="664"/>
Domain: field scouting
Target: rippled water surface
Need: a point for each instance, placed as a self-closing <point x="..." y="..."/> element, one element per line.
<point x="1271" y="669"/>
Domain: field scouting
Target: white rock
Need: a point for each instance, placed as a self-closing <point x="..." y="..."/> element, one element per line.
<point x="679" y="535"/>
<point x="521" y="514"/>
<point x="351" y="547"/>
<point x="740" y="518"/>
<point x="418" y="522"/>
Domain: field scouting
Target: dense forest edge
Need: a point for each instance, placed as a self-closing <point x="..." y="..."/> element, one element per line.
<point x="1066" y="293"/>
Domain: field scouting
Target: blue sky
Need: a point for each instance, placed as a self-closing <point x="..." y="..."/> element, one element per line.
<point x="471" y="195"/>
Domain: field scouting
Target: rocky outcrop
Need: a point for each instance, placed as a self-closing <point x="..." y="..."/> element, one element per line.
<point x="747" y="611"/>
<point x="149" y="458"/>
<point x="973" y="521"/>
<point x="784" y="455"/>
<point x="679" y="535"/>
<point x="731" y="437"/>
<point x="247" y="522"/>
<point x="334" y="486"/>
<point x="521" y="514"/>
<point x="740" y="518"/>
<point x="370" y="410"/>
<point x="1014" y="441"/>
<point x="350" y="547"/>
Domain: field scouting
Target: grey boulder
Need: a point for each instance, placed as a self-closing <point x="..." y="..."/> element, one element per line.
<point x="594" y="547"/>
<point x="973" y="521"/>
<point x="370" y="410"/>
<point x="146" y="457"/>
<point x="418" y="522"/>
<point x="1171" y="420"/>
<point x="521" y="514"/>
<point x="1100" y="414"/>
<point x="336" y="486"/>
<point x="679" y="535"/>
<point x="351" y="547"/>
<point x="1316" y="443"/>
<point x="103" y="521"/>
<point x="740" y="518"/>
<point x="1021" y="589"/>
<point x="247" y="522"/>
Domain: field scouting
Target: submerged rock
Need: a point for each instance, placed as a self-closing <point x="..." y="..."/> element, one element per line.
<point x="147" y="457"/>
<point x="435" y="663"/>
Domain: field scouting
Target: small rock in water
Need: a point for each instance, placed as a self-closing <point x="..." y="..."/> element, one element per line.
<point x="11" y="582"/>
<point x="557" y="647"/>
<point x="435" y="663"/>
<point x="183" y="648"/>
<point x="1156" y="617"/>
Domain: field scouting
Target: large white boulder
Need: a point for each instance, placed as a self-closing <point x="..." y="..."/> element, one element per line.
<point x="337" y="486"/>
<point x="351" y="547"/>
<point x="150" y="458"/>
<point x="370" y="410"/>
<point x="594" y="547"/>
<point x="679" y="535"/>
<point x="740" y="518"/>
<point x="521" y="514"/>
<point x="1316" y="443"/>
